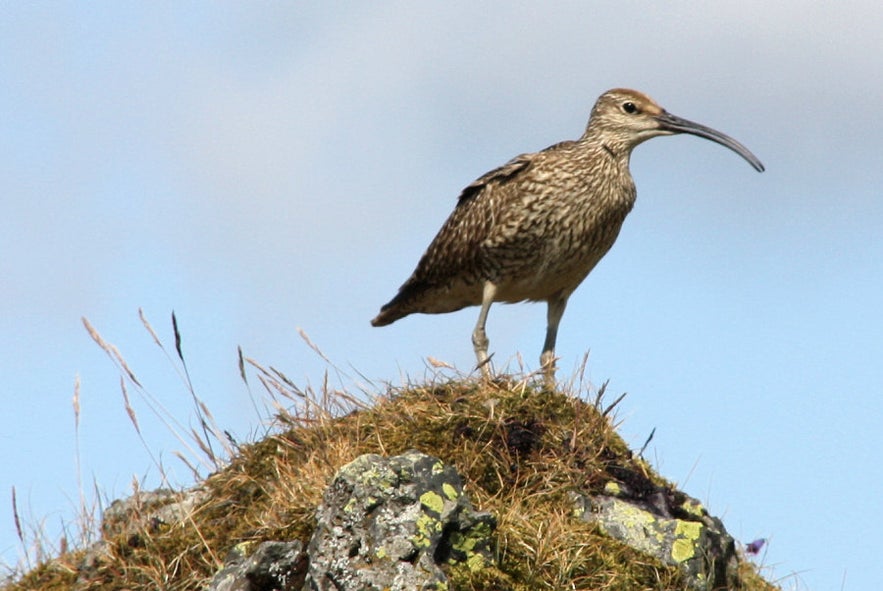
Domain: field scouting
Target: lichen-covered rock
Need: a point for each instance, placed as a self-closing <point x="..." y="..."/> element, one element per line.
<point x="390" y="523"/>
<point x="136" y="518"/>
<point x="150" y="510"/>
<point x="271" y="566"/>
<point x="670" y="526"/>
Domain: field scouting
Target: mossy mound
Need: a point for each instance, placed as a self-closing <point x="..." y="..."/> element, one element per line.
<point x="521" y="450"/>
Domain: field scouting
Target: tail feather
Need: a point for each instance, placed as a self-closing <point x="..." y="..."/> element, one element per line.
<point x="427" y="298"/>
<point x="400" y="306"/>
<point x="387" y="316"/>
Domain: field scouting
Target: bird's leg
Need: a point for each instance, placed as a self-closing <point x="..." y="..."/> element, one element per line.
<point x="547" y="359"/>
<point x="479" y="336"/>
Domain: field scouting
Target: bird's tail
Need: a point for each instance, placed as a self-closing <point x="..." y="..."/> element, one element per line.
<point x="387" y="316"/>
<point x="398" y="307"/>
<point x="420" y="297"/>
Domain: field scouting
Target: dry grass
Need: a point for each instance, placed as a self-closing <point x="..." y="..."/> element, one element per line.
<point x="519" y="447"/>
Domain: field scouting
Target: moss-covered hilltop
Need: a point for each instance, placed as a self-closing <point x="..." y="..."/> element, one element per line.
<point x="525" y="489"/>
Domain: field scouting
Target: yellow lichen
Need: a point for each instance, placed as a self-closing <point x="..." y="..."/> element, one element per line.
<point x="612" y="488"/>
<point x="688" y="529"/>
<point x="694" y="507"/>
<point x="427" y="526"/>
<point x="682" y="549"/>
<point x="684" y="546"/>
<point x="432" y="501"/>
<point x="245" y="548"/>
<point x="449" y="491"/>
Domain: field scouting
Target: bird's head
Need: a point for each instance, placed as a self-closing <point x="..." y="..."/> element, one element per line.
<point x="626" y="118"/>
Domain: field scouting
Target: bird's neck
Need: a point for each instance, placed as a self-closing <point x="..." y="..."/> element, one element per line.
<point x="612" y="153"/>
<point x="608" y="147"/>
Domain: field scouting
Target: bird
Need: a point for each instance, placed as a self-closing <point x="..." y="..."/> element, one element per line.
<point x="535" y="227"/>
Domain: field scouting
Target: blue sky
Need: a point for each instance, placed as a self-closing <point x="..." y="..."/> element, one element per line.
<point x="262" y="168"/>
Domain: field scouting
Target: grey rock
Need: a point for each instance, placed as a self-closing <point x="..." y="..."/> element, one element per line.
<point x="272" y="566"/>
<point x="137" y="516"/>
<point x="149" y="511"/>
<point x="390" y="523"/>
<point x="670" y="526"/>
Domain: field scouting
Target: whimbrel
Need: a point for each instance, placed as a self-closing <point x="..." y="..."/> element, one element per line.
<point x="535" y="227"/>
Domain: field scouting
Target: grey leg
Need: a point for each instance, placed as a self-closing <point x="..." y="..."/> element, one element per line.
<point x="547" y="359"/>
<point x="479" y="336"/>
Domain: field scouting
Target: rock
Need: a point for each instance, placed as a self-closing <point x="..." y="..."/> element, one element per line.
<point x="670" y="526"/>
<point x="137" y="516"/>
<point x="148" y="511"/>
<point x="390" y="523"/>
<point x="272" y="566"/>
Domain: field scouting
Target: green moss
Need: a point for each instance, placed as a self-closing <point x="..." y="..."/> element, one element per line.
<point x="465" y="544"/>
<point x="475" y="562"/>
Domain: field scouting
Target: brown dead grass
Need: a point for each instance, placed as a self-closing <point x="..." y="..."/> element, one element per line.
<point x="519" y="448"/>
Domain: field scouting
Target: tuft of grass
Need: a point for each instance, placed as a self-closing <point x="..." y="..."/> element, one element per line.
<point x="521" y="449"/>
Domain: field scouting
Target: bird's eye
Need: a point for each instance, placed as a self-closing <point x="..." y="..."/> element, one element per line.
<point x="629" y="107"/>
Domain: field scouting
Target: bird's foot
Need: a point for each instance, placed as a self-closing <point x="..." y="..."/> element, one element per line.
<point x="480" y="344"/>
<point x="547" y="361"/>
<point x="484" y="364"/>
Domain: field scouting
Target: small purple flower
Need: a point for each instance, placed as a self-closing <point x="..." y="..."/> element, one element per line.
<point x="753" y="548"/>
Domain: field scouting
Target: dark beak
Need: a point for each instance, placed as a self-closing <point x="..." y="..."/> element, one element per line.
<point x="676" y="124"/>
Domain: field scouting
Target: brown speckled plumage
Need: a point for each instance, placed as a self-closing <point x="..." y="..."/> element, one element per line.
<point x="535" y="227"/>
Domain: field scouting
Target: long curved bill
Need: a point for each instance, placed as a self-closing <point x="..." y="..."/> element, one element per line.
<point x="676" y="124"/>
